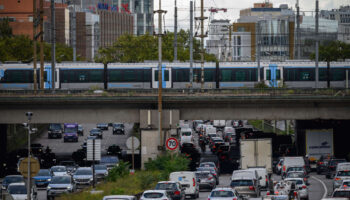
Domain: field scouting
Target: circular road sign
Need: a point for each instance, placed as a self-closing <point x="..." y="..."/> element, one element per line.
<point x="129" y="142"/>
<point x="34" y="167"/>
<point x="172" y="144"/>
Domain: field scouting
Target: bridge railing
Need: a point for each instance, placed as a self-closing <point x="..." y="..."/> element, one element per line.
<point x="180" y="92"/>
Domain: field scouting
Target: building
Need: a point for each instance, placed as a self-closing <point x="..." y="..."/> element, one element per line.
<point x="219" y="41"/>
<point x="62" y="23"/>
<point x="265" y="27"/>
<point x="342" y="16"/>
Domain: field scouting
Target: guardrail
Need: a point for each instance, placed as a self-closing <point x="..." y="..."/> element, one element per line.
<point x="179" y="92"/>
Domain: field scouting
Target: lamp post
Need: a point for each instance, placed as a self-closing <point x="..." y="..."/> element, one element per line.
<point x="27" y="125"/>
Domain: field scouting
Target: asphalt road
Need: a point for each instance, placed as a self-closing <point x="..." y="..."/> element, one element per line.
<point x="64" y="149"/>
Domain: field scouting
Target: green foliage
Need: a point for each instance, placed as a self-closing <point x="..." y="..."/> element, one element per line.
<point x="119" y="171"/>
<point x="147" y="179"/>
<point x="333" y="51"/>
<point x="130" y="48"/>
<point x="261" y="85"/>
<point x="5" y="28"/>
<point x="168" y="163"/>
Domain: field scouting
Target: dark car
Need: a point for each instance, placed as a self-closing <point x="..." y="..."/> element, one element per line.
<point x="205" y="180"/>
<point x="173" y="189"/>
<point x="118" y="128"/>
<point x="102" y="126"/>
<point x="211" y="170"/>
<point x="55" y="131"/>
<point x="11" y="179"/>
<point x="80" y="130"/>
<point x="71" y="166"/>
<point x="332" y="166"/>
<point x="216" y="142"/>
<point x="322" y="163"/>
<point x="114" y="150"/>
<point x="37" y="149"/>
<point x="96" y="132"/>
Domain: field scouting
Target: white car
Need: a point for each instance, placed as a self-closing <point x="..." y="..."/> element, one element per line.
<point x="18" y="191"/>
<point x="119" y="197"/>
<point x="223" y="194"/>
<point x="186" y="135"/>
<point x="155" y="195"/>
<point x="188" y="181"/>
<point x="59" y="171"/>
<point x="303" y="191"/>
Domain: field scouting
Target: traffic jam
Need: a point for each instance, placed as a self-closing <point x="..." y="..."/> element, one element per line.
<point x="228" y="160"/>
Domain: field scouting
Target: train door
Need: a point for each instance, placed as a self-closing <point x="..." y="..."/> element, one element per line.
<point x="273" y="75"/>
<point x="47" y="77"/>
<point x="166" y="77"/>
<point x="57" y="78"/>
<point x="2" y="74"/>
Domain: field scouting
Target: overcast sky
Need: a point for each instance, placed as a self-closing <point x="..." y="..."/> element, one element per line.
<point x="233" y="6"/>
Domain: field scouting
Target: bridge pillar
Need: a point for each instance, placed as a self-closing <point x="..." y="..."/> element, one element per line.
<point x="3" y="147"/>
<point x="150" y="138"/>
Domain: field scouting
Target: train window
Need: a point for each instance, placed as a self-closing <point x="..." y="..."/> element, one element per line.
<point x="323" y="74"/>
<point x="240" y="75"/>
<point x="226" y="75"/>
<point x="166" y="75"/>
<point x="305" y="76"/>
<point x="337" y="75"/>
<point x="18" y="76"/>
<point x="181" y="75"/>
<point x="130" y="75"/>
<point x="115" y="75"/>
<point x="209" y="75"/>
<point x="268" y="74"/>
<point x="278" y="74"/>
<point x="147" y="75"/>
<point x="96" y="76"/>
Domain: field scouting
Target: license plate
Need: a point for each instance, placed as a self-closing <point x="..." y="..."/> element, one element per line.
<point x="313" y="165"/>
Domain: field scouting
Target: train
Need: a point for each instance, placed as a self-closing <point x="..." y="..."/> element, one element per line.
<point x="80" y="75"/>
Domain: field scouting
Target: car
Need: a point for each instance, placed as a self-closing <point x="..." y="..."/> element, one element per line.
<point x="80" y="130"/>
<point x="155" y="195"/>
<point x="215" y="142"/>
<point x="262" y="172"/>
<point x="339" y="177"/>
<point x="173" y="188"/>
<point x="119" y="197"/>
<point x="109" y="161"/>
<point x="59" y="170"/>
<point x="246" y="183"/>
<point x="71" y="166"/>
<point x="96" y="132"/>
<point x="341" y="192"/>
<point x="331" y="167"/>
<point x="298" y="174"/>
<point x="102" y="126"/>
<point x="55" y="131"/>
<point x="212" y="171"/>
<point x="11" y="179"/>
<point x="188" y="180"/>
<point x="83" y="176"/>
<point x="223" y="194"/>
<point x="114" y="150"/>
<point x="186" y="136"/>
<point x="60" y="185"/>
<point x="205" y="180"/>
<point x="210" y="164"/>
<point x="118" y="128"/>
<point x="278" y="167"/>
<point x="101" y="172"/>
<point x="321" y="165"/>
<point x="346" y="183"/>
<point x="303" y="191"/>
<point x="43" y="178"/>
<point x="18" y="191"/>
<point x="70" y="132"/>
<point x="296" y="161"/>
<point x="37" y="149"/>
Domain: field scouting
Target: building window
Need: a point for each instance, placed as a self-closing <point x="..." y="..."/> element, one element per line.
<point x="241" y="29"/>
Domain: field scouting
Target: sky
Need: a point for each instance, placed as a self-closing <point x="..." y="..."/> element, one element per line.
<point x="233" y="6"/>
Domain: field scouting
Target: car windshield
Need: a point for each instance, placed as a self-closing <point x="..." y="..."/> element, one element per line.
<point x="58" y="169"/>
<point x="335" y="162"/>
<point x="207" y="165"/>
<point x="70" y="130"/>
<point x="212" y="170"/>
<point x="118" y="125"/>
<point x="153" y="195"/>
<point x="100" y="167"/>
<point x="55" y="126"/>
<point x="222" y="194"/>
<point x="17" y="189"/>
<point x="186" y="133"/>
<point x="166" y="186"/>
<point x="295" y="169"/>
<point x="202" y="175"/>
<point x="83" y="172"/>
<point x="13" y="179"/>
<point x="67" y="163"/>
<point x="341" y="193"/>
<point x="60" y="180"/>
<point x="95" y="131"/>
<point x="343" y="173"/>
<point x="80" y="127"/>
<point x="44" y="173"/>
<point x="295" y="175"/>
<point x="236" y="183"/>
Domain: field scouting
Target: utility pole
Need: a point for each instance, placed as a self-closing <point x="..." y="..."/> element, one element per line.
<point x="230" y="41"/>
<point x="298" y="30"/>
<point x="258" y="51"/>
<point x="202" y="36"/>
<point x="35" y="24"/>
<point x="41" y="44"/>
<point x="53" y="44"/>
<point x="160" y="81"/>
<point x="191" y="44"/>
<point x="74" y="34"/>
<point x="317" y="46"/>
<point x="175" y="33"/>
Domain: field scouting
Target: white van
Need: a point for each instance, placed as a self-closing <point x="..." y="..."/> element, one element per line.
<point x="186" y="135"/>
<point x="262" y="172"/>
<point x="188" y="181"/>
<point x="292" y="161"/>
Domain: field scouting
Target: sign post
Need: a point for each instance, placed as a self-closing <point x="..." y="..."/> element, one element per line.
<point x="133" y="143"/>
<point x="93" y="153"/>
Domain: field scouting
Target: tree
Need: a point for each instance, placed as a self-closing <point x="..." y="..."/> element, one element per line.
<point x="5" y="28"/>
<point x="332" y="51"/>
<point x="105" y="56"/>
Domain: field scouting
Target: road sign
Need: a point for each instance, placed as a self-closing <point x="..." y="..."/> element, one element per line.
<point x="172" y="144"/>
<point x="90" y="150"/>
<point x="34" y="167"/>
<point x="130" y="140"/>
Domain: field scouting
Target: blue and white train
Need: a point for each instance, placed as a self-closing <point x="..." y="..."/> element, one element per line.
<point x="291" y="74"/>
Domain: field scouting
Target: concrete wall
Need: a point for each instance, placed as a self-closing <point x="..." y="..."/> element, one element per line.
<point x="149" y="145"/>
<point x="170" y="118"/>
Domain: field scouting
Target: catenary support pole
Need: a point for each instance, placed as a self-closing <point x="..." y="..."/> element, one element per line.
<point x="191" y="44"/>
<point x="175" y="32"/>
<point x="317" y="47"/>
<point x="53" y="44"/>
<point x="41" y="44"/>
<point x="35" y="24"/>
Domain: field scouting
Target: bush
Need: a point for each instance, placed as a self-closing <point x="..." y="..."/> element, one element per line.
<point x="261" y="85"/>
<point x="119" y="171"/>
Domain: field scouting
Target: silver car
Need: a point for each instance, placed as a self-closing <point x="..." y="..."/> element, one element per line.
<point x="303" y="191"/>
<point x="223" y="194"/>
<point x="339" y="177"/>
<point x="101" y="171"/>
<point x="205" y="180"/>
<point x="83" y="176"/>
<point x="59" y="185"/>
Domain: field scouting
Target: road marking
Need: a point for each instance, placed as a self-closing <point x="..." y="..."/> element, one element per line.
<point x="324" y="186"/>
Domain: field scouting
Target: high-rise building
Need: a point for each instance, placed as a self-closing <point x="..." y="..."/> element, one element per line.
<point x="342" y="16"/>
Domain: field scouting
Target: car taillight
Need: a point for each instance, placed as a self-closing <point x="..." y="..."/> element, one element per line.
<point x="320" y="163"/>
<point x="208" y="198"/>
<point x="214" y="174"/>
<point x="305" y="179"/>
<point x="267" y="193"/>
<point x="337" y="179"/>
<point x="235" y="198"/>
<point x="276" y="193"/>
<point x="210" y="178"/>
<point x="194" y="182"/>
<point x="177" y="192"/>
<point x="284" y="168"/>
<point x="304" y="187"/>
<point x="295" y="194"/>
<point x="251" y="188"/>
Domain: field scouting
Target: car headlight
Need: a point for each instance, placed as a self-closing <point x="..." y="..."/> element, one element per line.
<point x="106" y="173"/>
<point x="48" y="187"/>
<point x="69" y="187"/>
<point x="49" y="179"/>
<point x="91" y="179"/>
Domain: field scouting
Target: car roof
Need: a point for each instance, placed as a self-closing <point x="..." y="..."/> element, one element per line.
<point x="158" y="191"/>
<point x="81" y="168"/>
<point x="223" y="188"/>
<point x="119" y="196"/>
<point x="21" y="183"/>
<point x="287" y="179"/>
<point x="14" y="176"/>
<point x="167" y="182"/>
